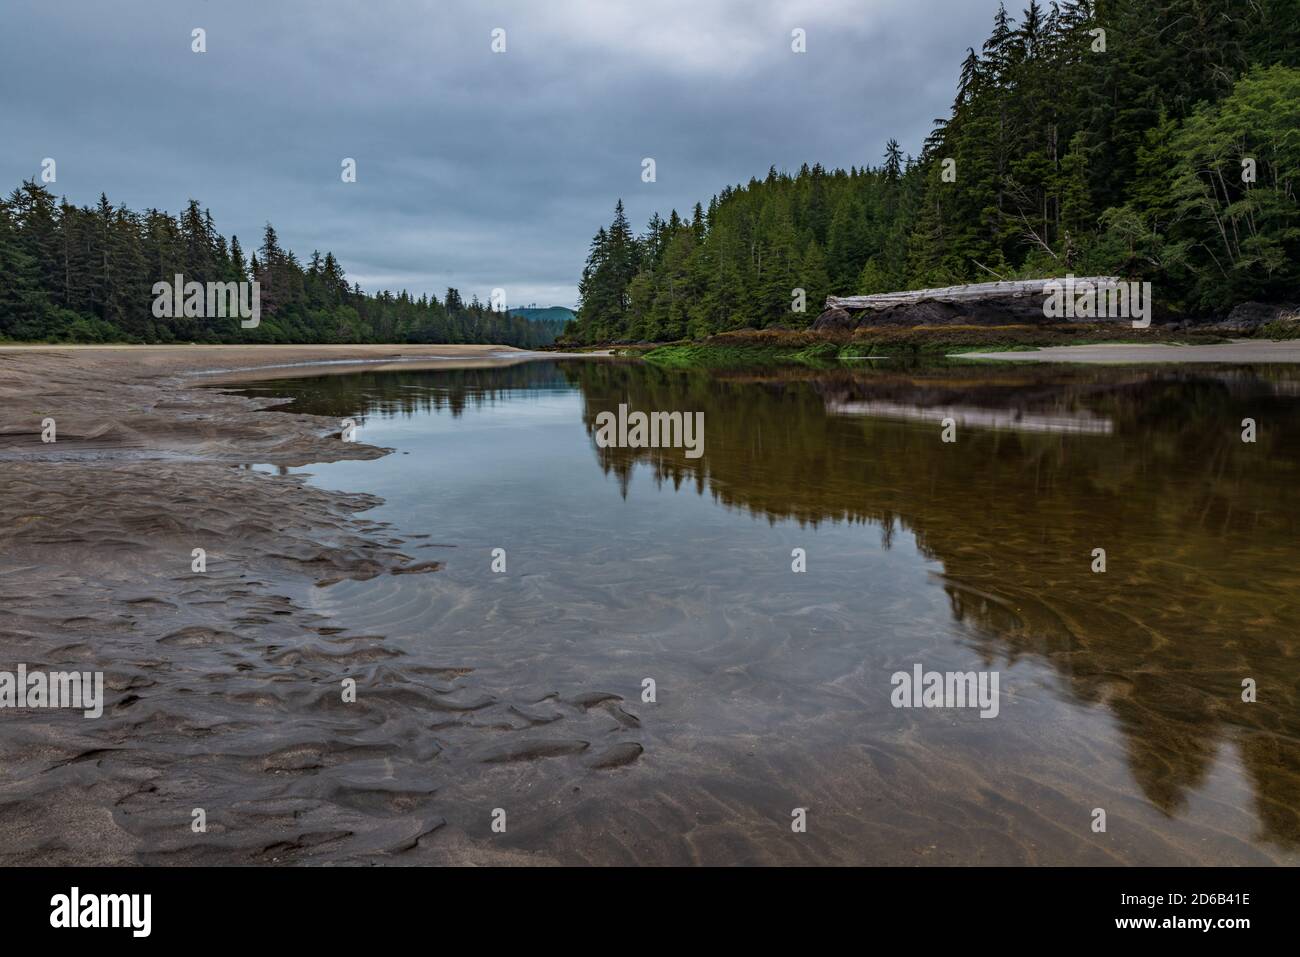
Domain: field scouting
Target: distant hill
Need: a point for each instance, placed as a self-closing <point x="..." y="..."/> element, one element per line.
<point x="541" y="314"/>
<point x="546" y="322"/>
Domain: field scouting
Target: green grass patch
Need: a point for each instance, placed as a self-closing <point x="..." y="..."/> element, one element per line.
<point x="772" y="347"/>
<point x="1279" y="329"/>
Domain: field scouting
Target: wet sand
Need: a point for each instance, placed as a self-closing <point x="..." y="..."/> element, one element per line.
<point x="222" y="688"/>
<point x="1239" y="351"/>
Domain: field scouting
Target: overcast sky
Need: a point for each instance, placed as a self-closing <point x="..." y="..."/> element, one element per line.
<point x="474" y="169"/>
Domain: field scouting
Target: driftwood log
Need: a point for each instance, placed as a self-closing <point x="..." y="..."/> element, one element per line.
<point x="982" y="303"/>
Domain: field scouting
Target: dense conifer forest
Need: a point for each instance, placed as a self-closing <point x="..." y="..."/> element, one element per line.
<point x="83" y="274"/>
<point x="1153" y="139"/>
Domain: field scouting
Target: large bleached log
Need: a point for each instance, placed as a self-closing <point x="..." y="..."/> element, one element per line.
<point x="981" y="303"/>
<point x="972" y="292"/>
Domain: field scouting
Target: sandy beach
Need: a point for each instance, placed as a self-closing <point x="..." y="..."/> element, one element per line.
<point x="1239" y="351"/>
<point x="207" y="675"/>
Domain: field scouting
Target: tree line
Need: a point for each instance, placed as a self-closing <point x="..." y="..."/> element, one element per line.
<point x="1153" y="139"/>
<point x="86" y="274"/>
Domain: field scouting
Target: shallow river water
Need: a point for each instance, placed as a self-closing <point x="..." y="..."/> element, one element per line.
<point x="1119" y="691"/>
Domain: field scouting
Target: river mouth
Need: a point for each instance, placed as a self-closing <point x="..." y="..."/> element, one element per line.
<point x="573" y="575"/>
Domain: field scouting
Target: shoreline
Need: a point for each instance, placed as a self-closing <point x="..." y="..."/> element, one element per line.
<point x="213" y="680"/>
<point x="1234" y="352"/>
<point x="773" y="347"/>
<point x="139" y="402"/>
<point x="282" y="361"/>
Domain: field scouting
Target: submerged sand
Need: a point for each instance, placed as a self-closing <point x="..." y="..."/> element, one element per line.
<point x="1241" y="351"/>
<point x="222" y="688"/>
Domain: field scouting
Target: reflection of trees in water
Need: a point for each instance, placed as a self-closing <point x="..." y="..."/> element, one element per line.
<point x="390" y="394"/>
<point x="1199" y="529"/>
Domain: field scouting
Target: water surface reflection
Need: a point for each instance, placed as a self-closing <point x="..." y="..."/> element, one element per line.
<point x="1121" y="690"/>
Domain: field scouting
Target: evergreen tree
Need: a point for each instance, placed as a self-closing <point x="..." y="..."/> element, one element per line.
<point x="87" y="274"/>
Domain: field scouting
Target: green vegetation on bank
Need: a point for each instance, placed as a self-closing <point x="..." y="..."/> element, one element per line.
<point x="1279" y="329"/>
<point x="1062" y="157"/>
<point x="771" y="347"/>
<point x="82" y="274"/>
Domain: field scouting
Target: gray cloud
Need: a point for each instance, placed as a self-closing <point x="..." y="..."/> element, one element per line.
<point x="474" y="169"/>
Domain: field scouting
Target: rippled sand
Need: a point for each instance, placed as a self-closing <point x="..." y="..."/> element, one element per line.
<point x="224" y="689"/>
